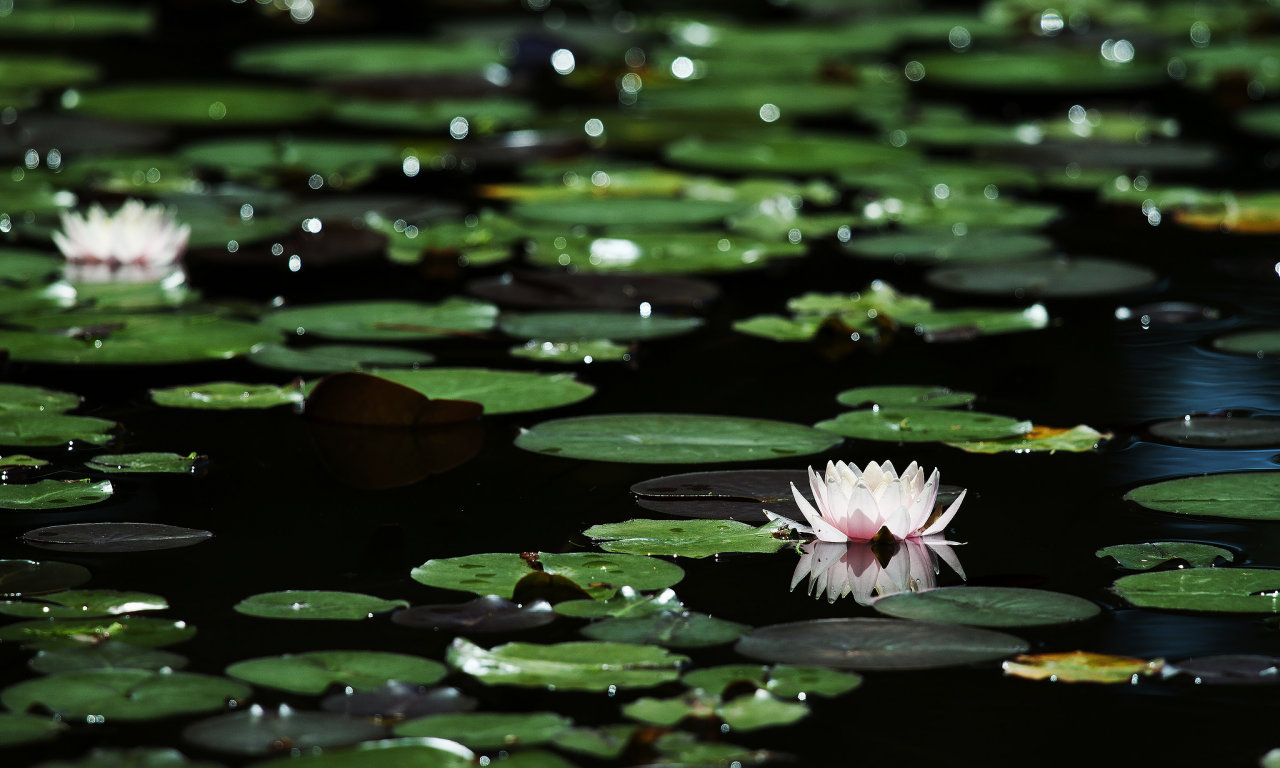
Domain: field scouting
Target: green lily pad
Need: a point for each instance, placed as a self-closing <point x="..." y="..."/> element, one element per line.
<point x="202" y="104"/>
<point x="488" y="730"/>
<point x="682" y="748"/>
<point x="18" y="397"/>
<point x="605" y="743"/>
<point x="628" y="603"/>
<point x="498" y="391"/>
<point x="54" y="494"/>
<point x="302" y="604"/>
<point x="673" y="438"/>
<point x="583" y="326"/>
<point x="20" y="460"/>
<point x="24" y="729"/>
<point x="22" y="268"/>
<point x="227" y="395"/>
<point x="43" y="71"/>
<point x="744" y="713"/>
<point x="73" y="20"/>
<point x="778" y="328"/>
<point x="386" y="320"/>
<point x="946" y="246"/>
<point x="568" y="666"/>
<point x="606" y="212"/>
<point x="1259" y="343"/>
<point x="143" y="462"/>
<point x="388" y="753"/>
<point x="600" y="575"/>
<point x="988" y="606"/>
<point x="783" y="680"/>
<point x="571" y="352"/>
<point x="19" y="578"/>
<point x="330" y="358"/>
<point x="1234" y="590"/>
<point x="383" y="57"/>
<point x="792" y="154"/>
<point x="1238" y="495"/>
<point x="107" y="338"/>
<point x="668" y="629"/>
<point x="688" y="538"/>
<point x="311" y="673"/>
<point x="34" y="428"/>
<point x="1077" y="439"/>
<point x="49" y="634"/>
<point x="905" y="396"/>
<point x="659" y="253"/>
<point x="124" y="694"/>
<point x="133" y="297"/>
<point x="1040" y="71"/>
<point x="483" y="116"/>
<point x="138" y="757"/>
<point x="668" y="712"/>
<point x="921" y="425"/>
<point x="84" y="604"/>
<point x="1054" y="278"/>
<point x="256" y="158"/>
<point x="106" y="655"/>
<point x="1144" y="557"/>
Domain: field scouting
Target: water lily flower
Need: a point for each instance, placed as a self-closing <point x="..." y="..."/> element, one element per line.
<point x="841" y="569"/>
<point x="854" y="505"/>
<point x="136" y="235"/>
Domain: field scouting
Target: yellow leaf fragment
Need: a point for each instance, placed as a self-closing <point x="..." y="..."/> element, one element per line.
<point x="1081" y="667"/>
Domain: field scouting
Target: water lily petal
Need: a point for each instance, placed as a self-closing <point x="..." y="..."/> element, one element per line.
<point x="941" y="522"/>
<point x="872" y="475"/>
<point x="862" y="518"/>
<point x="899" y="523"/>
<point x="922" y="507"/>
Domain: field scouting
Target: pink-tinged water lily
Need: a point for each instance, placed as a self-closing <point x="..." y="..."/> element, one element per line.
<point x="840" y="569"/>
<point x="854" y="505"/>
<point x="137" y="235"/>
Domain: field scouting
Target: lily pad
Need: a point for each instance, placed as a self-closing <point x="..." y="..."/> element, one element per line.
<point x="24" y="729"/>
<point x="694" y="538"/>
<point x="1235" y="590"/>
<point x="1259" y="343"/>
<point x="606" y="743"/>
<point x="1227" y="670"/>
<point x="682" y="748"/>
<point x="106" y="655"/>
<point x="945" y="246"/>
<point x="259" y="732"/>
<point x="386" y="320"/>
<point x="49" y="634"/>
<point x="398" y="701"/>
<point x="917" y="425"/>
<point x="227" y="395"/>
<point x="260" y="158"/>
<point x="606" y="212"/>
<point x="85" y="603"/>
<point x="54" y="494"/>
<point x="35" y="428"/>
<point x="110" y="338"/>
<point x="654" y="253"/>
<point x="488" y="730"/>
<point x="124" y="694"/>
<point x="1040" y="71"/>
<point x="1048" y="278"/>
<point x="388" y="753"/>
<point x="1077" y="439"/>
<point x="584" y="326"/>
<point x="311" y="673"/>
<point x="1081" y="667"/>
<point x="569" y="666"/>
<point x="19" y="578"/>
<point x="628" y="603"/>
<point x="741" y="495"/>
<point x="668" y="629"/>
<point x="363" y="400"/>
<point x="143" y="462"/>
<point x="1237" y="495"/>
<point x="746" y="713"/>
<point x="302" y="604"/>
<point x="19" y="397"/>
<point x="905" y="397"/>
<point x="988" y="606"/>
<point x="202" y="104"/>
<point x="339" y="58"/>
<point x="1219" y="431"/>
<point x="601" y="575"/>
<point x="571" y="352"/>
<point x="673" y="438"/>
<point x="67" y="20"/>
<point x="877" y="644"/>
<point x="483" y="116"/>
<point x="498" y="391"/>
<point x="1144" y="557"/>
<point x="484" y="614"/>
<point x="783" y="680"/>
<point x="328" y="358"/>
<point x="114" y="537"/>
<point x="18" y="460"/>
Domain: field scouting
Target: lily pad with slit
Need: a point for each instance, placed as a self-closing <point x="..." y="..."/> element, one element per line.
<point x="1077" y="439"/>
<point x="488" y="730"/>
<point x="600" y="575"/>
<point x="54" y="494"/>
<point x="261" y="732"/>
<point x="1081" y="667"/>
<point x="19" y="578"/>
<point x="388" y="753"/>
<point x="124" y="694"/>
<point x="1236" y="495"/>
<point x="498" y="391"/>
<point x="577" y="666"/>
<point x="229" y="395"/>
<point x="90" y="337"/>
<point x="202" y="104"/>
<point x="877" y="644"/>
<point x="84" y="604"/>
<point x="669" y="629"/>
<point x="1144" y="557"/>
<point x="916" y="425"/>
<point x="106" y="655"/>
<point x="489" y="613"/>
<point x="584" y="326"/>
<point x="20" y="461"/>
<point x="905" y="396"/>
<point x="50" y="634"/>
<point x="313" y="672"/>
<point x="989" y="606"/>
<point x="673" y="438"/>
<point x="304" y="604"/>
<point x="1049" y="278"/>
<point x="688" y="538"/>
<point x="397" y="701"/>
<point x="386" y="320"/>
<point x="746" y="713"/>
<point x="18" y="728"/>
<point x="144" y="462"/>
<point x="114" y="537"/>
<point x="329" y="358"/>
<point x="1230" y="590"/>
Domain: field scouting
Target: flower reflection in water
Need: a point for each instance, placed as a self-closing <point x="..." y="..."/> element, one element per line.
<point x="874" y="569"/>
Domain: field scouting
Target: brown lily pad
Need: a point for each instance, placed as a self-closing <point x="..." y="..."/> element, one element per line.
<point x="372" y="401"/>
<point x="374" y="458"/>
<point x="114" y="537"/>
<point x="485" y="614"/>
<point x="545" y="290"/>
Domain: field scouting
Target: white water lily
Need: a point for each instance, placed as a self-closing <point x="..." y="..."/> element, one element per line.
<point x="854" y="505"/>
<point x="838" y="569"/>
<point x="137" y="234"/>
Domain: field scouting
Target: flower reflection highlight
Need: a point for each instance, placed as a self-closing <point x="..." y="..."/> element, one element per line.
<point x="868" y="571"/>
<point x="857" y="505"/>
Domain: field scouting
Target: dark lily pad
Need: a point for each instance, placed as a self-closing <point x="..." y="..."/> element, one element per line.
<point x="259" y="732"/>
<point x="144" y="462"/>
<point x="76" y="21"/>
<point x="391" y="457"/>
<point x="488" y="730"/>
<point x="1049" y="278"/>
<point x="668" y="629"/>
<point x="585" y="326"/>
<point x="49" y="634"/>
<point x="114" y="537"/>
<point x="541" y="290"/>
<point x="1260" y="343"/>
<point x="944" y="246"/>
<point x="600" y="575"/>
<point x="19" y="397"/>
<point x="1234" y="590"/>
<point x="124" y="694"/>
<point x="1144" y="557"/>
<point x="303" y="604"/>
<point x="312" y="673"/>
<point x="877" y="644"/>
<point x="1227" y="670"/>
<point x="34" y="428"/>
<point x="988" y="606"/>
<point x="485" y="614"/>
<point x="904" y="397"/>
<point x="397" y="701"/>
<point x="388" y="753"/>
<point x="74" y="134"/>
<point x="617" y="211"/>
<point x="19" y="578"/>
<point x="673" y="438"/>
<point x="741" y="495"/>
<point x="386" y="320"/>
<point x="569" y="666"/>
<point x="226" y="395"/>
<point x="1170" y="313"/>
<point x="106" y="655"/>
<point x="694" y="538"/>
<point x="328" y="358"/>
<point x="84" y="604"/>
<point x="24" y="729"/>
<point x="54" y="494"/>
<point x="1237" y="495"/>
<point x="498" y="391"/>
<point x="359" y="399"/>
<point x="916" y="425"/>
<point x="202" y="104"/>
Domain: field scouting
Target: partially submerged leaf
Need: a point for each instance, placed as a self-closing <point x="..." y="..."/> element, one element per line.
<point x="489" y="613"/>
<point x="570" y="666"/>
<point x="54" y="494"/>
<point x="1081" y="667"/>
<point x="1144" y="557"/>
<point x="606" y="743"/>
<point x="1236" y="669"/>
<point x="738" y="494"/>
<point x="783" y="680"/>
<point x="364" y="400"/>
<point x="390" y="457"/>
<point x="628" y="603"/>
<point x="303" y="604"/>
<point x="692" y="538"/>
<point x="104" y="655"/>
<point x="397" y="701"/>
